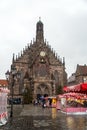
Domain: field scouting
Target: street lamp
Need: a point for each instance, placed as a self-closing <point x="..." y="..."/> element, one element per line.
<point x="13" y="73"/>
<point x="7" y="77"/>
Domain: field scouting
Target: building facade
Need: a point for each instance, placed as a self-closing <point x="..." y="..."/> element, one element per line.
<point x="80" y="75"/>
<point x="41" y="70"/>
<point x="72" y="80"/>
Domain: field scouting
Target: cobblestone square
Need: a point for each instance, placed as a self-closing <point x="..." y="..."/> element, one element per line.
<point x="38" y="118"/>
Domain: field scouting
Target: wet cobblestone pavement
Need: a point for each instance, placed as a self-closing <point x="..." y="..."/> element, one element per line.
<point x="37" y="118"/>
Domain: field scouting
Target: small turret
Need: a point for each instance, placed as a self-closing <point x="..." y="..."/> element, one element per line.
<point x="64" y="61"/>
<point x="13" y="58"/>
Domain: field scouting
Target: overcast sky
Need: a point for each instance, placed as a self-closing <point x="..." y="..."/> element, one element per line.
<point x="65" y="28"/>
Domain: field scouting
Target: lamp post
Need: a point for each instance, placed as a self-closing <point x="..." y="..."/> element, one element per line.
<point x="7" y="77"/>
<point x="13" y="73"/>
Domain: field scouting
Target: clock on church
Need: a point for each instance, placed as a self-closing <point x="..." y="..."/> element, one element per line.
<point x="42" y="53"/>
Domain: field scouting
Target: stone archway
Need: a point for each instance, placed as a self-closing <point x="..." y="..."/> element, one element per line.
<point x="42" y="89"/>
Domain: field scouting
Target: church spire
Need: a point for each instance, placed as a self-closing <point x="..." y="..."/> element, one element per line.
<point x="39" y="31"/>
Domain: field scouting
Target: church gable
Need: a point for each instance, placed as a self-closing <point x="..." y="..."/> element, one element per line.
<point x="36" y="49"/>
<point x="33" y="49"/>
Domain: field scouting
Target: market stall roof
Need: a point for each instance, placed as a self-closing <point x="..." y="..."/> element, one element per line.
<point x="73" y="95"/>
<point x="5" y="90"/>
<point x="76" y="88"/>
<point x="3" y="82"/>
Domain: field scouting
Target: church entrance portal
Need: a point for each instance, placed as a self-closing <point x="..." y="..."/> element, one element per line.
<point x="42" y="90"/>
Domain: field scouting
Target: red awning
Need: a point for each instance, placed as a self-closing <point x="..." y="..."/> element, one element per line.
<point x="65" y="89"/>
<point x="72" y="88"/>
<point x="76" y="88"/>
<point x="84" y="87"/>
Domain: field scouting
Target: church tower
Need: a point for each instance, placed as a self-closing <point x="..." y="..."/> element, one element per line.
<point x="39" y="32"/>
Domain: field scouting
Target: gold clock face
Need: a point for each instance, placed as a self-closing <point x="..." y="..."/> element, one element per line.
<point x="42" y="53"/>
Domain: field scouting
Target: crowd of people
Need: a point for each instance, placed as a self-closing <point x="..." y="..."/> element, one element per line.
<point x="44" y="102"/>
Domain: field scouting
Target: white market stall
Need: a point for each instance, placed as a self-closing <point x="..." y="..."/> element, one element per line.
<point x="3" y="106"/>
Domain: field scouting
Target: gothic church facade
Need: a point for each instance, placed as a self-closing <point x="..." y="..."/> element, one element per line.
<point x="42" y="71"/>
